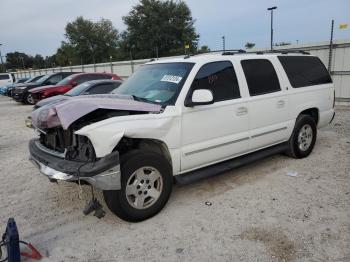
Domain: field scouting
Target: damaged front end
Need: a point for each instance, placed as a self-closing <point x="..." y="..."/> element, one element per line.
<point x="61" y="154"/>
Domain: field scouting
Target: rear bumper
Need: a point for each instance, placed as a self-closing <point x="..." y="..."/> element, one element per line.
<point x="103" y="173"/>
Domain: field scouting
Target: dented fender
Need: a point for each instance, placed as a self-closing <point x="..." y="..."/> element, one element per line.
<point x="106" y="134"/>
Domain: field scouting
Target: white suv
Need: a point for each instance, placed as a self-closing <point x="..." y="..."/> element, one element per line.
<point x="183" y="119"/>
<point x="6" y="79"/>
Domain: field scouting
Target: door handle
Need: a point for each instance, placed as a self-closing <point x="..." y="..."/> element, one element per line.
<point x="280" y="103"/>
<point x="241" y="111"/>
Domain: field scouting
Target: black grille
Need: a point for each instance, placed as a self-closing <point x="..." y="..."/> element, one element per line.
<point x="56" y="139"/>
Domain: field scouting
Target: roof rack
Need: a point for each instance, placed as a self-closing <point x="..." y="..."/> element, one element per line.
<point x="283" y="52"/>
<point x="224" y="52"/>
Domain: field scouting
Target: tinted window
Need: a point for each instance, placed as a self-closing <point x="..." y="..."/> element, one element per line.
<point x="220" y="78"/>
<point x="305" y="70"/>
<point x="54" y="79"/>
<point x="84" y="78"/>
<point x="3" y="77"/>
<point x="261" y="76"/>
<point x="101" y="89"/>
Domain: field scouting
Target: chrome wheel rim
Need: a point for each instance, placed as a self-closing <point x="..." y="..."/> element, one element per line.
<point x="305" y="137"/>
<point x="144" y="187"/>
<point x="30" y="99"/>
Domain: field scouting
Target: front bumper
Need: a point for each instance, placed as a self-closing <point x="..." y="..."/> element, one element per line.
<point x="103" y="173"/>
<point x="18" y="96"/>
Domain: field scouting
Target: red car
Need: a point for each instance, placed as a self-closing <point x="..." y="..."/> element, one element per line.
<point x="67" y="84"/>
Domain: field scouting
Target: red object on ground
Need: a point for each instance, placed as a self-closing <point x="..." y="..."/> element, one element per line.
<point x="35" y="254"/>
<point x="67" y="84"/>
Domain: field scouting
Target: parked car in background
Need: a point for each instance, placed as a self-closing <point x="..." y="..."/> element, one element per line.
<point x="6" y="78"/>
<point x="22" y="80"/>
<point x="21" y="93"/>
<point x="88" y="88"/>
<point x="67" y="84"/>
<point x="6" y="90"/>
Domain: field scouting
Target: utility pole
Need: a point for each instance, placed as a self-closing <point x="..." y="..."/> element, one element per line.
<point x="271" y="9"/>
<point x="331" y="48"/>
<point x="223" y="43"/>
<point x="21" y="57"/>
<point x="110" y="62"/>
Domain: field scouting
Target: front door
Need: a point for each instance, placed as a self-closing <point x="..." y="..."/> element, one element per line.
<point x="212" y="133"/>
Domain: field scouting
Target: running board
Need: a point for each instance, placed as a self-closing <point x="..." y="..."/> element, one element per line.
<point x="227" y="165"/>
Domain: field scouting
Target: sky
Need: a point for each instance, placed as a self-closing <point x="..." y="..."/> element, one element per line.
<point x="37" y="26"/>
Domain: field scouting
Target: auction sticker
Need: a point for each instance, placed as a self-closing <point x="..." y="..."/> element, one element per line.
<point x="172" y="79"/>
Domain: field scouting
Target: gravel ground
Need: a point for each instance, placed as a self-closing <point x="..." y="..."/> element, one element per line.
<point x="258" y="213"/>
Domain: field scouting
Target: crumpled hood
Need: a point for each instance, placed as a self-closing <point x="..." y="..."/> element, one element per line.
<point x="65" y="112"/>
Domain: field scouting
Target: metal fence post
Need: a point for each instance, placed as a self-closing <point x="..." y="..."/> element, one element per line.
<point x="330" y="49"/>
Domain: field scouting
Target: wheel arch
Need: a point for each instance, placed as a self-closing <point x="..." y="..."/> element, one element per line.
<point x="154" y="145"/>
<point x="312" y="112"/>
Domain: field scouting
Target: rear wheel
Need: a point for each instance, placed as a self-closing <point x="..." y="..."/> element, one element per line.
<point x="146" y="184"/>
<point x="303" y="138"/>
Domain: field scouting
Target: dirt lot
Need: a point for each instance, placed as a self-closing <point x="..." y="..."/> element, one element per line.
<point x="258" y="213"/>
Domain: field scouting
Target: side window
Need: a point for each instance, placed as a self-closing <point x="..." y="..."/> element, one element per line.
<point x="305" y="70"/>
<point x="220" y="78"/>
<point x="82" y="79"/>
<point x="100" y="89"/>
<point x="261" y="76"/>
<point x="54" y="79"/>
<point x="4" y="77"/>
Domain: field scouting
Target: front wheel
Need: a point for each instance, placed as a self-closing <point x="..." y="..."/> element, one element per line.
<point x="29" y="100"/>
<point x="146" y="184"/>
<point x="303" y="138"/>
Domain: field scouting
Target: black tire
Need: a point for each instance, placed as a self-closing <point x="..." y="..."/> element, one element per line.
<point x="294" y="147"/>
<point x="27" y="99"/>
<point x="117" y="201"/>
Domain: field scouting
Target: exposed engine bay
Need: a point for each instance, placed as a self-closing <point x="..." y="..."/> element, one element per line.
<point x="76" y="147"/>
<point x="58" y="122"/>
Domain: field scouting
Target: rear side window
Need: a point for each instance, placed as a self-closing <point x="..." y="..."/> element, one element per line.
<point x="305" y="70"/>
<point x="220" y="78"/>
<point x="101" y="89"/>
<point x="261" y="76"/>
<point x="4" y="77"/>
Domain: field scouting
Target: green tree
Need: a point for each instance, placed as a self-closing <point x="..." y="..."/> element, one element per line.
<point x="162" y="27"/>
<point x="204" y="49"/>
<point x="67" y="55"/>
<point x="38" y="61"/>
<point x="18" y="60"/>
<point x="249" y="45"/>
<point x="92" y="41"/>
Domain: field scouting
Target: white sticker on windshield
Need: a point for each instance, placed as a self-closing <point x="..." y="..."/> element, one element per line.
<point x="172" y="79"/>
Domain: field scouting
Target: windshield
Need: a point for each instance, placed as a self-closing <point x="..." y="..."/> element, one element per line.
<point x="43" y="79"/>
<point x="159" y="83"/>
<point x="65" y="81"/>
<point x="78" y="89"/>
<point x="33" y="79"/>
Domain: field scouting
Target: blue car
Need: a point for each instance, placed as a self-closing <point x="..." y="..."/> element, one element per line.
<point x="6" y="90"/>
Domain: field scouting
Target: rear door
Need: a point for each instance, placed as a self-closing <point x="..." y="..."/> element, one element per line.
<point x="215" y="132"/>
<point x="268" y="103"/>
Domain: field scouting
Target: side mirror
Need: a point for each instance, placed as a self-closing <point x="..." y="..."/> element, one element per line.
<point x="200" y="97"/>
<point x="74" y="84"/>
